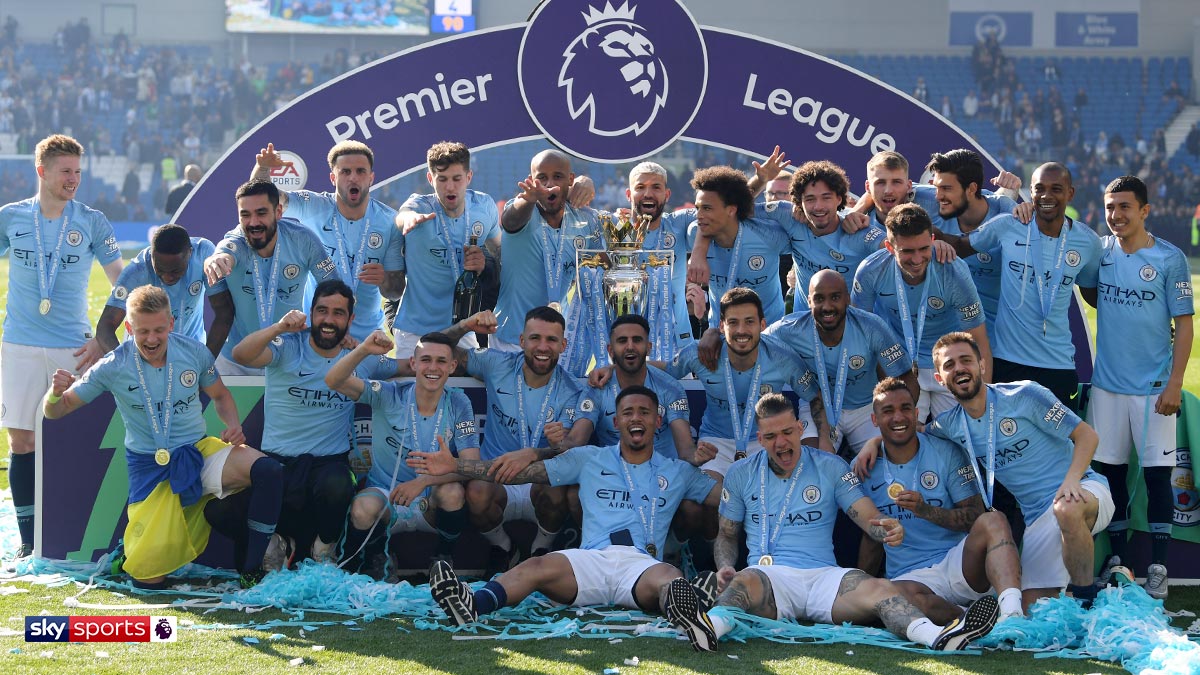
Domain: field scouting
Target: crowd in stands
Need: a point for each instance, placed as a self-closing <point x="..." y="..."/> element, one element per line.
<point x="165" y="107"/>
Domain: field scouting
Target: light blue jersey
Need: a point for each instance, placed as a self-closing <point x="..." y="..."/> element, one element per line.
<point x="350" y="244"/>
<point x="616" y="513"/>
<point x="672" y="405"/>
<point x="1036" y="287"/>
<point x="434" y="257"/>
<point x="516" y="414"/>
<point x="754" y="262"/>
<point x="539" y="266"/>
<point x="279" y="279"/>
<point x="187" y="294"/>
<point x="944" y="476"/>
<point x="301" y="415"/>
<point x="1033" y="448"/>
<point x="780" y="367"/>
<point x="946" y="301"/>
<point x="80" y="235"/>
<point x="393" y="413"/>
<point x="671" y="235"/>
<point x="820" y="485"/>
<point x="1137" y="296"/>
<point x="868" y="344"/>
<point x="985" y="265"/>
<point x="188" y="369"/>
<point x="836" y="251"/>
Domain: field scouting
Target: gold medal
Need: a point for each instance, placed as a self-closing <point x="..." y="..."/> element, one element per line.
<point x="652" y="550"/>
<point x="766" y="560"/>
<point x="739" y="455"/>
<point x="44" y="306"/>
<point x="162" y="456"/>
<point x="894" y="490"/>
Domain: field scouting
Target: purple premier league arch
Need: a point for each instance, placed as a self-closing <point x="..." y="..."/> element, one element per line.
<point x="610" y="83"/>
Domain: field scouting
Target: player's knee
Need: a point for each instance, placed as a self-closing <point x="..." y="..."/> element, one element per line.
<point x="363" y="512"/>
<point x="1069" y="513"/>
<point x="992" y="525"/>
<point x="550" y="500"/>
<point x="450" y="496"/>
<point x="334" y="489"/>
<point x="480" y="495"/>
<point x="21" y="441"/>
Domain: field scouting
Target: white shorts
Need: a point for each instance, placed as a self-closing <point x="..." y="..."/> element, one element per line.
<point x="725" y="451"/>
<point x="520" y="504"/>
<point x="1041" y="550"/>
<point x="607" y="576"/>
<point x="404" y="518"/>
<point x="502" y="346"/>
<point x="946" y="578"/>
<point x="227" y="368"/>
<point x="25" y="376"/>
<point x="406" y="342"/>
<point x="856" y="427"/>
<point x="211" y="472"/>
<point x="935" y="397"/>
<point x="805" y="594"/>
<point x="1120" y="421"/>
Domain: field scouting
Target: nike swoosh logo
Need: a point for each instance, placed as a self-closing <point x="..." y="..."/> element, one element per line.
<point x="501" y="391"/>
<point x="1019" y="243"/>
<point x="326" y="228"/>
<point x="22" y="234"/>
<point x="1106" y="264"/>
<point x="876" y="487"/>
<point x="301" y="373"/>
<point x="708" y="381"/>
<point x="610" y="413"/>
<point x="883" y="295"/>
<point x="1168" y="452"/>
<point x="606" y="473"/>
<point x="134" y="387"/>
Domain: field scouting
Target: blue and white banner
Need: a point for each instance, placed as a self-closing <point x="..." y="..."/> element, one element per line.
<point x="1096" y="29"/>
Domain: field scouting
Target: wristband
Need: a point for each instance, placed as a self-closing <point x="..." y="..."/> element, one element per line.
<point x="52" y="397"/>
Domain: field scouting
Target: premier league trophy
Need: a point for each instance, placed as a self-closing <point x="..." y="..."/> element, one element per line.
<point x="625" y="278"/>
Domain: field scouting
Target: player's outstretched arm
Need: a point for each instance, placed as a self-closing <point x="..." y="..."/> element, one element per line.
<point x="442" y="462"/>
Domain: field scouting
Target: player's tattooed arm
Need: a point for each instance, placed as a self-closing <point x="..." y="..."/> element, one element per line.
<point x="478" y="469"/>
<point x="960" y="518"/>
<point x="725" y="548"/>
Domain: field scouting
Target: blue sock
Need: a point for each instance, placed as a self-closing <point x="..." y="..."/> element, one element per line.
<point x="490" y="598"/>
<point x="266" y="485"/>
<point x="20" y="479"/>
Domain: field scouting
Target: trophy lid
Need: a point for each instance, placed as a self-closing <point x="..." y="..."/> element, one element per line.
<point x="624" y="234"/>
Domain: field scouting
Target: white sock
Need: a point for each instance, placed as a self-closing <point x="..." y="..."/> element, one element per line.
<point x="720" y="624"/>
<point x="923" y="631"/>
<point x="1010" y="602"/>
<point x="543" y="539"/>
<point x="498" y="537"/>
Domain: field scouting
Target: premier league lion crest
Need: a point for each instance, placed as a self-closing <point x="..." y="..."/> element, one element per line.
<point x="611" y="54"/>
<point x="612" y="82"/>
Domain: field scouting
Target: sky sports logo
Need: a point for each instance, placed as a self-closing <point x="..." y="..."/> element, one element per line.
<point x="100" y="629"/>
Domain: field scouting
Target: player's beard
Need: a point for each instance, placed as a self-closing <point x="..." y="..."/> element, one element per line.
<point x="956" y="210"/>
<point x="323" y="341"/>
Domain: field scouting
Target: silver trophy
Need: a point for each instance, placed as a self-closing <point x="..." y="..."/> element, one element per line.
<point x="626" y="281"/>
